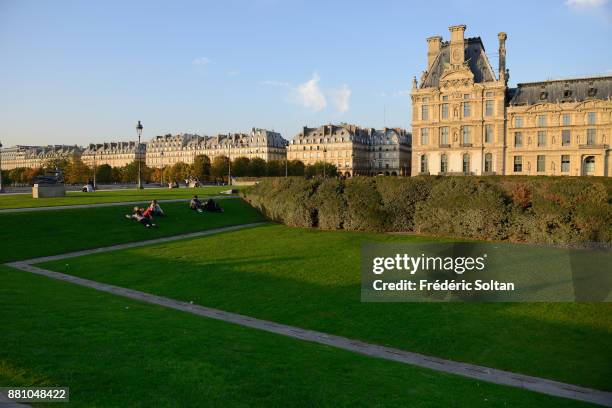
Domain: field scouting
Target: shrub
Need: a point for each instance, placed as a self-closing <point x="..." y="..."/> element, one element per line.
<point x="399" y="198"/>
<point x="331" y="204"/>
<point x="364" y="205"/>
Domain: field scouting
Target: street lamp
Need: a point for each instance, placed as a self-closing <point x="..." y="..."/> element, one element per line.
<point x="229" y="162"/>
<point x="139" y="131"/>
<point x="1" y="189"/>
<point x="324" y="159"/>
<point x="94" y="166"/>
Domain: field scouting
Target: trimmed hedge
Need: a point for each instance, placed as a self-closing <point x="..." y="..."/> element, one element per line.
<point x="523" y="209"/>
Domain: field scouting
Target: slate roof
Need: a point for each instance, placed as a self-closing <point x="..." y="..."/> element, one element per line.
<point x="562" y="90"/>
<point x="475" y="56"/>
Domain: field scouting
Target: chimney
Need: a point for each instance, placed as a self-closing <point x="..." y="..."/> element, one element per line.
<point x="433" y="49"/>
<point x="457" y="44"/>
<point x="502" y="56"/>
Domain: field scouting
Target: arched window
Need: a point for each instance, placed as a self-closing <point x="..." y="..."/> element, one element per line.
<point x="466" y="163"/>
<point x="444" y="164"/>
<point x="424" y="166"/>
<point x="488" y="164"/>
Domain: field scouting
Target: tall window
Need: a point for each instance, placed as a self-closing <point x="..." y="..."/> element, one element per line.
<point x="541" y="138"/>
<point x="425" y="112"/>
<point x="466" y="163"/>
<point x="488" y="163"/>
<point x="424" y="137"/>
<point x="567" y="119"/>
<point x="424" y="167"/>
<point x="467" y="135"/>
<point x="443" y="163"/>
<point x="518" y="121"/>
<point x="541" y="163"/>
<point x="445" y="111"/>
<point x="591" y="136"/>
<point x="444" y="136"/>
<point x="467" y="109"/>
<point x="541" y="120"/>
<point x="565" y="163"/>
<point x="488" y="108"/>
<point x="518" y="139"/>
<point x="488" y="133"/>
<point x="566" y="137"/>
<point x="591" y="118"/>
<point x="518" y="164"/>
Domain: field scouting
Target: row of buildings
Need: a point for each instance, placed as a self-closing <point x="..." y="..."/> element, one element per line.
<point x="465" y="120"/>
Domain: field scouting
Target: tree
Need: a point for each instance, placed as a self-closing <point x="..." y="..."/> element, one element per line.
<point x="179" y="171"/>
<point x="201" y="167"/>
<point x="257" y="167"/>
<point x="219" y="167"/>
<point x="76" y="171"/>
<point x="296" y="168"/>
<point x="240" y="166"/>
<point x="17" y="174"/>
<point x="320" y="169"/>
<point x="30" y="174"/>
<point x="275" y="168"/>
<point x="104" y="173"/>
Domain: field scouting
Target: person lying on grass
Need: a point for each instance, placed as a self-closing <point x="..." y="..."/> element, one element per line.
<point x="156" y="209"/>
<point x="196" y="204"/>
<point x="209" y="205"/>
<point x="142" y="216"/>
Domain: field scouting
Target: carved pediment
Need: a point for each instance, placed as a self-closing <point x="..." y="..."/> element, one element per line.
<point x="544" y="107"/>
<point x="456" y="76"/>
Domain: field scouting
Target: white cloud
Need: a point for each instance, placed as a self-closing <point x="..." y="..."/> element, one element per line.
<point x="201" y="61"/>
<point x="275" y="83"/>
<point x="585" y="3"/>
<point x="340" y="98"/>
<point x="309" y="95"/>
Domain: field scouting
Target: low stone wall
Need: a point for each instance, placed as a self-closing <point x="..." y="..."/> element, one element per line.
<point x="48" y="190"/>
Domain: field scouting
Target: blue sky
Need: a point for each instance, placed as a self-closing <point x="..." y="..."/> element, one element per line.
<point x="76" y="72"/>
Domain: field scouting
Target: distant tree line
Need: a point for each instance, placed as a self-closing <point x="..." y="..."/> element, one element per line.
<point x="75" y="171"/>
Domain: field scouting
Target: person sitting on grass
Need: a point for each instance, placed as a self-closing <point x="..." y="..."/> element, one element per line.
<point x="196" y="204"/>
<point x="212" y="206"/>
<point x="156" y="209"/>
<point x="138" y="214"/>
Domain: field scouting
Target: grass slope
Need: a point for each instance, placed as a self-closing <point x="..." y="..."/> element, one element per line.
<point x="116" y="196"/>
<point x="115" y="352"/>
<point x="33" y="234"/>
<point x="311" y="279"/>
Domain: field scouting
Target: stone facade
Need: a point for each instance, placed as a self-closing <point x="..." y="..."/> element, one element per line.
<point x="115" y="154"/>
<point x="354" y="150"/>
<point x="36" y="156"/>
<point x="261" y="143"/>
<point x="467" y="121"/>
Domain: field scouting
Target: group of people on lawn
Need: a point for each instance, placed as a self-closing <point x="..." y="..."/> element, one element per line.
<point x="145" y="216"/>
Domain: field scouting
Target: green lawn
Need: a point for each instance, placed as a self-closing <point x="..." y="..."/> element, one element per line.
<point x="77" y="198"/>
<point x="41" y="233"/>
<point x="311" y="279"/>
<point x="115" y="352"/>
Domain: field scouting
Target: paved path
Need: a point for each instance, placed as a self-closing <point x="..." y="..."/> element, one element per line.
<point x="112" y="204"/>
<point x="7" y="403"/>
<point x="536" y="384"/>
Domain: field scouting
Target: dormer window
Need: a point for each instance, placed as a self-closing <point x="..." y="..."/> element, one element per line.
<point x="567" y="93"/>
<point x="543" y="95"/>
<point x="592" y="92"/>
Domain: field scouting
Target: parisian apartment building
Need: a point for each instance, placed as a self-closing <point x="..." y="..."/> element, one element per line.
<point x="170" y="149"/>
<point x="36" y="156"/>
<point x="466" y="120"/>
<point x="114" y="154"/>
<point x="354" y="150"/>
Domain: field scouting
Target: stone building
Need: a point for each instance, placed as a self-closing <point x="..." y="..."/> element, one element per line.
<point x="466" y="120"/>
<point x="36" y="156"/>
<point x="560" y="127"/>
<point x="354" y="150"/>
<point x="115" y="154"/>
<point x="459" y="107"/>
<point x="261" y="143"/>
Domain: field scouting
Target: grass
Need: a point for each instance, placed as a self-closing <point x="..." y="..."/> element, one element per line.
<point x="79" y="198"/>
<point x="311" y="279"/>
<point x="33" y="234"/>
<point x="115" y="352"/>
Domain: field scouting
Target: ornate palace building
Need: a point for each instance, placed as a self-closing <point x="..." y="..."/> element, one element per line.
<point x="115" y="154"/>
<point x="354" y="150"/>
<point x="467" y="121"/>
<point x="168" y="150"/>
<point x="36" y="156"/>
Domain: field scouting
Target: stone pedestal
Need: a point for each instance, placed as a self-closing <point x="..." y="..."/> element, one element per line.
<point x="48" y="190"/>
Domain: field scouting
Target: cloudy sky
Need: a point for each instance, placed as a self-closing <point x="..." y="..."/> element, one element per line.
<point x="76" y="72"/>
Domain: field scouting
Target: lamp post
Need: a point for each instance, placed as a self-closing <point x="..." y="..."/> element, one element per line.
<point x="324" y="161"/>
<point x="1" y="189"/>
<point x="95" y="150"/>
<point x="162" y="167"/>
<point x="139" y="132"/>
<point x="229" y="162"/>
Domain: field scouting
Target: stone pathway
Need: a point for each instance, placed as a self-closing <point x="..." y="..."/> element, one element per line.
<point x="7" y="403"/>
<point x="113" y="204"/>
<point x="536" y="384"/>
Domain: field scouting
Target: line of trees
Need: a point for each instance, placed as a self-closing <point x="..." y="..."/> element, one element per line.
<point x="75" y="171"/>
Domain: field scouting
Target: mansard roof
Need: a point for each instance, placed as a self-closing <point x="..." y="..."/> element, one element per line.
<point x="475" y="56"/>
<point x="562" y="90"/>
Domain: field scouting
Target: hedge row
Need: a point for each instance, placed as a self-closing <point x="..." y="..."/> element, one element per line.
<point x="539" y="210"/>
